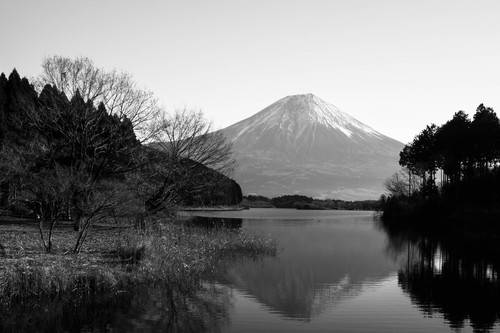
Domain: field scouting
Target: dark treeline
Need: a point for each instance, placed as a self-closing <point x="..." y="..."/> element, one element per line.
<point x="305" y="202"/>
<point x="73" y="158"/>
<point x="449" y="170"/>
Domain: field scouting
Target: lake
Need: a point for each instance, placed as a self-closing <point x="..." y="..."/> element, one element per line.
<point x="339" y="271"/>
<point x="335" y="271"/>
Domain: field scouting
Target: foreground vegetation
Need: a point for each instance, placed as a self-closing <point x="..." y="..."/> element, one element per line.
<point x="450" y="173"/>
<point x="115" y="260"/>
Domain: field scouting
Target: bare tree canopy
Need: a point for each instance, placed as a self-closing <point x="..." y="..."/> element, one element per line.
<point x="403" y="183"/>
<point x="188" y="135"/>
<point x="116" y="90"/>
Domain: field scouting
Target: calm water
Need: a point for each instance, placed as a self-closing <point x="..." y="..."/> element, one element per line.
<point x="335" y="271"/>
<point x="339" y="271"/>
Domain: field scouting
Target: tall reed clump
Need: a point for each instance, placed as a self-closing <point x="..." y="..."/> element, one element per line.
<point x="44" y="276"/>
<point x="185" y="255"/>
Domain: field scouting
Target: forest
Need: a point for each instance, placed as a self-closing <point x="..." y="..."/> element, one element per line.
<point x="449" y="171"/>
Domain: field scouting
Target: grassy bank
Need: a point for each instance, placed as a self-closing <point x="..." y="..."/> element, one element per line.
<point x="115" y="259"/>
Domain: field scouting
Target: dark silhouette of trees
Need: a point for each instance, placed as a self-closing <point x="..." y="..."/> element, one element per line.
<point x="63" y="154"/>
<point x="69" y="157"/>
<point x="485" y="131"/>
<point x="465" y="152"/>
<point x="454" y="147"/>
<point x="16" y="96"/>
<point x="421" y="158"/>
<point x="460" y="148"/>
<point x="289" y="201"/>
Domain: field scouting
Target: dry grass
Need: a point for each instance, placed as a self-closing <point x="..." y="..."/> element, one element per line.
<point x="115" y="259"/>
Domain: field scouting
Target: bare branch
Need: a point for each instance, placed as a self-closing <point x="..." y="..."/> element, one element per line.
<point x="116" y="90"/>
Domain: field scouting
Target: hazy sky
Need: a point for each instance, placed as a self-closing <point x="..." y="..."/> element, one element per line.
<point x="394" y="65"/>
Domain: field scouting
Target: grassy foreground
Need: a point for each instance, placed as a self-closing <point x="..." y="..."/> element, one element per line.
<point x="115" y="259"/>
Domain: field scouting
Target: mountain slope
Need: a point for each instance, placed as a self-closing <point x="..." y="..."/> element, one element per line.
<point x="302" y="144"/>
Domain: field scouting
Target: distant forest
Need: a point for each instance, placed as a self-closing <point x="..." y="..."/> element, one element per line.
<point x="305" y="202"/>
<point x="449" y="170"/>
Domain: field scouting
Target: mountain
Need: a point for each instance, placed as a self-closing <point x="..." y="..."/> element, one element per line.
<point x="304" y="145"/>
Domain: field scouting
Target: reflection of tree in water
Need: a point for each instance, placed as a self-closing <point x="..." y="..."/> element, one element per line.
<point x="214" y="222"/>
<point x="148" y="308"/>
<point x="453" y="276"/>
<point x="165" y="310"/>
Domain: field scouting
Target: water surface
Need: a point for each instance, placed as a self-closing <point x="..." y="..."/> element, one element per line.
<point x="339" y="271"/>
<point x="335" y="271"/>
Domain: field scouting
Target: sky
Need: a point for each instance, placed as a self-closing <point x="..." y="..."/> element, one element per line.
<point x="394" y="65"/>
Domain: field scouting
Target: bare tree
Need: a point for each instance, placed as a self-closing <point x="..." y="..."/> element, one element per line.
<point x="116" y="90"/>
<point x="188" y="135"/>
<point x="402" y="183"/>
<point x="183" y="158"/>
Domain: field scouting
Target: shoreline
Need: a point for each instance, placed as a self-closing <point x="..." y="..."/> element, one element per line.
<point x="211" y="209"/>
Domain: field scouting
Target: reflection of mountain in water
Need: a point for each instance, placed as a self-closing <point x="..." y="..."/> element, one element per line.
<point x="293" y="293"/>
<point x="455" y="277"/>
<point x="322" y="264"/>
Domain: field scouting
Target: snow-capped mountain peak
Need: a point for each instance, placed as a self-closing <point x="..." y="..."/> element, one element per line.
<point x="320" y="141"/>
<point x="296" y="112"/>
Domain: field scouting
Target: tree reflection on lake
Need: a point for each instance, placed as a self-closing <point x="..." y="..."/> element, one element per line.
<point x="154" y="308"/>
<point x="454" y="275"/>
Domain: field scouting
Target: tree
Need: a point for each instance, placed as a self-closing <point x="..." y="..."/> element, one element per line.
<point x="3" y="107"/>
<point x="87" y="148"/>
<point x="421" y="158"/>
<point x="402" y="184"/>
<point x="485" y="130"/>
<point x="117" y="91"/>
<point x="16" y="95"/>
<point x="453" y="143"/>
<point x="188" y="135"/>
<point x="4" y="197"/>
<point x="186" y="162"/>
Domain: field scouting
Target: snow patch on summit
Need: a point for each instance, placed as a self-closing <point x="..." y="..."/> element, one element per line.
<point x="293" y="114"/>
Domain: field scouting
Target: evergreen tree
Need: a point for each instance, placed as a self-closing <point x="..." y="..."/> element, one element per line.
<point x="453" y="141"/>
<point x="3" y="107"/>
<point x="485" y="130"/>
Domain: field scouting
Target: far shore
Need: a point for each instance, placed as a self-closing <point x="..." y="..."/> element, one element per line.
<point x="211" y="209"/>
